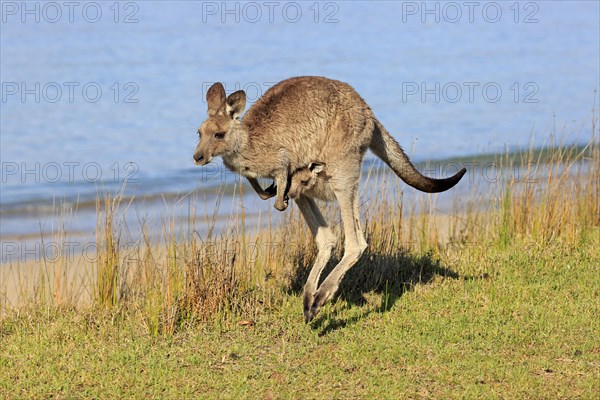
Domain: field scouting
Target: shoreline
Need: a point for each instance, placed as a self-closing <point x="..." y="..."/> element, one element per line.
<point x="194" y="182"/>
<point x="484" y="170"/>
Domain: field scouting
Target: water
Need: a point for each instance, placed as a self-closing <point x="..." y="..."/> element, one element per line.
<point x="153" y="75"/>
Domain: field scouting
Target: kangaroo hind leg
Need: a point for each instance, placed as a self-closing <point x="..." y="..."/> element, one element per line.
<point x="325" y="240"/>
<point x="354" y="246"/>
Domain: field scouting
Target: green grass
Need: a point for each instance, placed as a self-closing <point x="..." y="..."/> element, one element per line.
<point x="521" y="322"/>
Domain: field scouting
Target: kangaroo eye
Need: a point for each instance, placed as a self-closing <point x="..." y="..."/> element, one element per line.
<point x="220" y="135"/>
<point x="304" y="182"/>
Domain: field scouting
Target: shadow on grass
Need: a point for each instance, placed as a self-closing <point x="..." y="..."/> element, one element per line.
<point x="389" y="275"/>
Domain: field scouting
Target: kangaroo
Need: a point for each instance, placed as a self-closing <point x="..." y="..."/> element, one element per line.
<point x="305" y="179"/>
<point x="295" y="122"/>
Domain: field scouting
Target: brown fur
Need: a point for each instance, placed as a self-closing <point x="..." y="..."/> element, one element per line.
<point x="294" y="123"/>
<point x="310" y="181"/>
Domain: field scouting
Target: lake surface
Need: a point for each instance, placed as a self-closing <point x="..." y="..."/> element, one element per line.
<point x="97" y="95"/>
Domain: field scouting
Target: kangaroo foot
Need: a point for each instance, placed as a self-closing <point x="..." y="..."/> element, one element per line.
<point x="323" y="295"/>
<point x="309" y="296"/>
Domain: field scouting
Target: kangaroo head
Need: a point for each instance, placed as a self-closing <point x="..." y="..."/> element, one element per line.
<point x="218" y="133"/>
<point x="304" y="179"/>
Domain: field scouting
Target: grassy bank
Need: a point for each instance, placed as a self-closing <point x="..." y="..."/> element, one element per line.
<point x="499" y="298"/>
<point x="527" y="327"/>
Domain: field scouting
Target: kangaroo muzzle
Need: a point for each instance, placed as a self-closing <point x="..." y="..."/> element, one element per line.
<point x="200" y="159"/>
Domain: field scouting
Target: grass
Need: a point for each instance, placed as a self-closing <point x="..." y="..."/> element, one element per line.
<point x="498" y="299"/>
<point x="527" y="328"/>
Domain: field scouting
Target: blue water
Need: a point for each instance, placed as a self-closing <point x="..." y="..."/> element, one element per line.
<point x="154" y="71"/>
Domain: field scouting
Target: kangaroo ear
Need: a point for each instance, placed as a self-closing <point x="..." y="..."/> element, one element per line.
<point x="215" y="97"/>
<point x="235" y="104"/>
<point x="316" y="167"/>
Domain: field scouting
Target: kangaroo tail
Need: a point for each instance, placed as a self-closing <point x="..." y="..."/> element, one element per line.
<point x="385" y="147"/>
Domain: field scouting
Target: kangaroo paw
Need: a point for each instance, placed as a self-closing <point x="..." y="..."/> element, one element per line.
<point x="281" y="205"/>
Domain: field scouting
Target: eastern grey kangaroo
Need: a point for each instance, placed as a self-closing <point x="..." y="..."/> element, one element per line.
<point x="306" y="181"/>
<point x="296" y="122"/>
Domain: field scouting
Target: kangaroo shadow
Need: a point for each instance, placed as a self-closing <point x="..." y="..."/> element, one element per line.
<point x="390" y="275"/>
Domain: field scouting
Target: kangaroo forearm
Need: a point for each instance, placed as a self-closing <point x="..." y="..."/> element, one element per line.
<point x="281" y="182"/>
